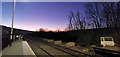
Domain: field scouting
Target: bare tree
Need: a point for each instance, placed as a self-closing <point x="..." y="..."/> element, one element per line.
<point x="110" y="14"/>
<point x="94" y="13"/>
<point x="76" y="22"/>
<point x="118" y="13"/>
<point x="70" y="25"/>
<point x="79" y="21"/>
<point x="41" y="30"/>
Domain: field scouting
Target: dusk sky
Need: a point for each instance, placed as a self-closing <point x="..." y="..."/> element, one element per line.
<point x="34" y="15"/>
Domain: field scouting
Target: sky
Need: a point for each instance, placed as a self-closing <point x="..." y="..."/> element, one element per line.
<point x="35" y="15"/>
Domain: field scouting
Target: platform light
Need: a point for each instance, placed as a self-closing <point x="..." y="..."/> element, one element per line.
<point x="13" y="10"/>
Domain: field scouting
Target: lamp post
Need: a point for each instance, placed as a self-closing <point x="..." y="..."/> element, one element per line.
<point x="13" y="10"/>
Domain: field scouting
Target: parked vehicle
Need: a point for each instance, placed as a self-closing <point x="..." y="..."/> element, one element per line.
<point x="107" y="41"/>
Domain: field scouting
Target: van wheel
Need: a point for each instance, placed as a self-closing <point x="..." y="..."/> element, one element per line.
<point x="101" y="45"/>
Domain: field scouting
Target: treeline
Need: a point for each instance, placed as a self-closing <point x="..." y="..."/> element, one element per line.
<point x="92" y="36"/>
<point x="64" y="36"/>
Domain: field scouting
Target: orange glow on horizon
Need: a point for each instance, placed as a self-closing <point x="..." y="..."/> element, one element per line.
<point x="54" y="30"/>
<point x="33" y="28"/>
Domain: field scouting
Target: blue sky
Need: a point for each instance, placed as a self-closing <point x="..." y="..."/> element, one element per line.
<point x="34" y="15"/>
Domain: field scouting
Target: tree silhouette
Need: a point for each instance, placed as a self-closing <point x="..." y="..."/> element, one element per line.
<point x="76" y="22"/>
<point x="93" y="11"/>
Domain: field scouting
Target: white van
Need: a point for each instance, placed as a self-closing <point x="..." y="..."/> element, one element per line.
<point x="107" y="41"/>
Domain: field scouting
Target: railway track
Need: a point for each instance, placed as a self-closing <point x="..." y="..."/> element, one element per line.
<point x="67" y="50"/>
<point x="58" y="50"/>
<point x="37" y="49"/>
<point x="50" y="51"/>
<point x="106" y="52"/>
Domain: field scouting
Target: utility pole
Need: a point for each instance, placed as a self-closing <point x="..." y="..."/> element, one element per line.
<point x="13" y="10"/>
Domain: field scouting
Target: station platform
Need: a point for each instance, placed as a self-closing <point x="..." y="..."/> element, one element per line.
<point x="19" y="48"/>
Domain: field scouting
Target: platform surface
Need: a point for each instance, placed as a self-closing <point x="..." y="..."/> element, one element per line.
<point x="19" y="47"/>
